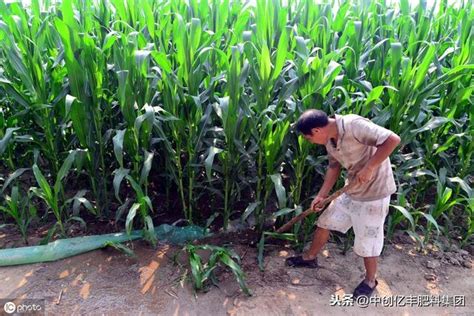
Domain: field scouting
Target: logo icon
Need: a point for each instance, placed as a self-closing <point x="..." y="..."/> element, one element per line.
<point x="9" y="307"/>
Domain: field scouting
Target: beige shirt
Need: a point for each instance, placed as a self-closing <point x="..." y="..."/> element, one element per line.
<point x="356" y="144"/>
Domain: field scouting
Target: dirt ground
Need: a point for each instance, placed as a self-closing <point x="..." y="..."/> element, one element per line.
<point x="109" y="282"/>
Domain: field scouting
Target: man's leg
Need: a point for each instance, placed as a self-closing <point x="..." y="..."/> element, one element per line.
<point x="368" y="222"/>
<point x="333" y="218"/>
<point x="321" y="236"/>
<point x="370" y="268"/>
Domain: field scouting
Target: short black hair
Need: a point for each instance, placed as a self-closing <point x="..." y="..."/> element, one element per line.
<point x="311" y="119"/>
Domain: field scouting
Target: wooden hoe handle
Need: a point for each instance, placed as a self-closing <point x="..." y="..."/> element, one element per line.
<point x="322" y="204"/>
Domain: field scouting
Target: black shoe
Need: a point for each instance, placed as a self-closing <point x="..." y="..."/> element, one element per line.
<point x="299" y="262"/>
<point x="364" y="289"/>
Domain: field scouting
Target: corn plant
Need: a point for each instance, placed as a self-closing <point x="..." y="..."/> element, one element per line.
<point x="197" y="99"/>
<point x="202" y="272"/>
<point x="20" y="208"/>
<point x="54" y="196"/>
<point x="26" y="64"/>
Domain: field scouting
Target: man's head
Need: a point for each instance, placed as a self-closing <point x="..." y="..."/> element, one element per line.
<point x="313" y="125"/>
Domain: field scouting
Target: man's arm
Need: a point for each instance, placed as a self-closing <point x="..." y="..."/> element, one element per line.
<point x="383" y="151"/>
<point x="330" y="178"/>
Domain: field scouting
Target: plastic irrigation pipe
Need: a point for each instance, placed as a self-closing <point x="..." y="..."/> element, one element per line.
<point x="63" y="248"/>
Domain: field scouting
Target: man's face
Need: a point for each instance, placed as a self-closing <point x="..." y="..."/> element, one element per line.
<point x="319" y="136"/>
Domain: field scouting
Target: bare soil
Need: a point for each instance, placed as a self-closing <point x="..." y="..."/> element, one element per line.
<point x="108" y="282"/>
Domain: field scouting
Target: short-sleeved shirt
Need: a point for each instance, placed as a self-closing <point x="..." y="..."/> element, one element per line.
<point x="356" y="144"/>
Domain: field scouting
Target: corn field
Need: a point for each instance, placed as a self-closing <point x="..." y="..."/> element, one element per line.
<point x="134" y="110"/>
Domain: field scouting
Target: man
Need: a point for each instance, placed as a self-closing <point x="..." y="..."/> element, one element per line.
<point x="363" y="148"/>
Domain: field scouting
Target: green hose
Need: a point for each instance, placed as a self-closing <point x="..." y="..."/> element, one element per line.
<point x="63" y="248"/>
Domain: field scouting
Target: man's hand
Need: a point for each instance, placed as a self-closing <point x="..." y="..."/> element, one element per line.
<point x="316" y="200"/>
<point x="365" y="175"/>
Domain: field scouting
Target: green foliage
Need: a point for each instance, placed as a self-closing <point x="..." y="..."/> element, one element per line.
<point x="196" y="100"/>
<point x="203" y="271"/>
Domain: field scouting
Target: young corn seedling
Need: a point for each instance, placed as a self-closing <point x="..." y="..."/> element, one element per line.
<point x="20" y="208"/>
<point x="54" y="196"/>
<point x="203" y="272"/>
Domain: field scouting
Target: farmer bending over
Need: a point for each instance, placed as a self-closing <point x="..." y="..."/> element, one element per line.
<point x="363" y="148"/>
